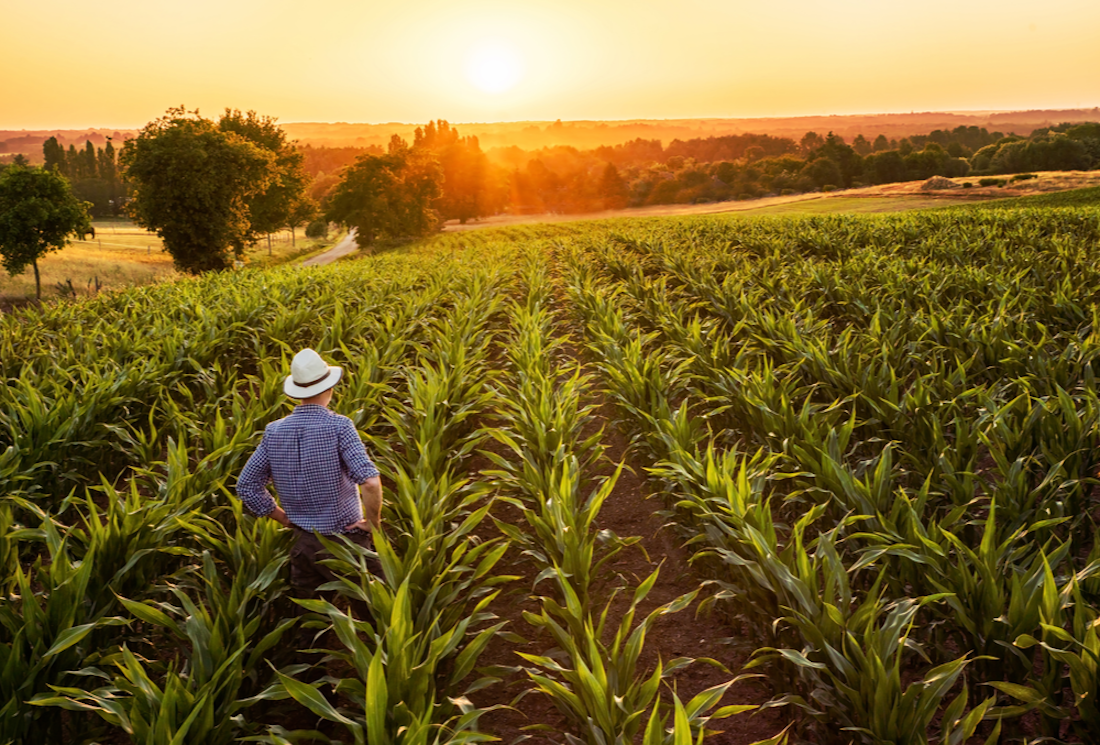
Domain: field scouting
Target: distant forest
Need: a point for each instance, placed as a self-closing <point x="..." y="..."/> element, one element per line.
<point x="641" y="172"/>
<point x="92" y="171"/>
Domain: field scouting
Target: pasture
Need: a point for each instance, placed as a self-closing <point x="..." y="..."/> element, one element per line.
<point x="124" y="255"/>
<point x="823" y="478"/>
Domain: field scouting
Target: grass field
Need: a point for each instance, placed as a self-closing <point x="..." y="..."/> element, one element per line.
<point x="850" y="205"/>
<point x="880" y="205"/>
<point x="1089" y="197"/>
<point x="124" y="255"/>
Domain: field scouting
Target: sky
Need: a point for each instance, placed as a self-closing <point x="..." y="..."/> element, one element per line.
<point x="69" y="64"/>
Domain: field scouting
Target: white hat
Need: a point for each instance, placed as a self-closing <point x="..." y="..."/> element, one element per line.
<point x="309" y="375"/>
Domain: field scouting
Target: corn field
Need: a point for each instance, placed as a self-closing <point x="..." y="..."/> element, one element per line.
<point x="877" y="437"/>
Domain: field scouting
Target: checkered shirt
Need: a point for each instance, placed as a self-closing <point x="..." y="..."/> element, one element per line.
<point x="316" y="459"/>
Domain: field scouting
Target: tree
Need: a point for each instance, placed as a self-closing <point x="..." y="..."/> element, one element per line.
<point x="388" y="196"/>
<point x="192" y="183"/>
<point x="613" y="189"/>
<point x="284" y="202"/>
<point x="466" y="173"/>
<point x="846" y="158"/>
<point x="38" y="213"/>
<point x="886" y="167"/>
<point x="810" y="142"/>
<point x="89" y="168"/>
<point x="72" y="162"/>
<point x="822" y="172"/>
<point x="54" y="156"/>
<point x="107" y="163"/>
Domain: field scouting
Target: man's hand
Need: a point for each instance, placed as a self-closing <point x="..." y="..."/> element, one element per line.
<point x="364" y="525"/>
<point x="280" y="517"/>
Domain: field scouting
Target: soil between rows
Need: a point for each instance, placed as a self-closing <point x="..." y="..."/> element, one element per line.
<point x="630" y="510"/>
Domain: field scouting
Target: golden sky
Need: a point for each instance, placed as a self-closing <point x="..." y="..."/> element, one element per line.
<point x="68" y="64"/>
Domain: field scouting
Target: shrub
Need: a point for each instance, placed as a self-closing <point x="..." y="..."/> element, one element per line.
<point x="829" y="187"/>
<point x="991" y="182"/>
<point x="1023" y="177"/>
<point x="317" y="229"/>
<point x="967" y="184"/>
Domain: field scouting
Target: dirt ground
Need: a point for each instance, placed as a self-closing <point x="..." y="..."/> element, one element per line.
<point x="1045" y="181"/>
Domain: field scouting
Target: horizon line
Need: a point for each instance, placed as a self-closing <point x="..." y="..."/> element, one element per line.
<point x="952" y="112"/>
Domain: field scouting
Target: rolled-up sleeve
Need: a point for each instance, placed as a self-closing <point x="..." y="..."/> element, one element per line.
<point x="252" y="484"/>
<point x="354" y="454"/>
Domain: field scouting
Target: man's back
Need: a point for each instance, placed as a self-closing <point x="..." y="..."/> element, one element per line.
<point x="315" y="459"/>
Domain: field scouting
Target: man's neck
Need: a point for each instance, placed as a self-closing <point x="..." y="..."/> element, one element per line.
<point x="321" y="399"/>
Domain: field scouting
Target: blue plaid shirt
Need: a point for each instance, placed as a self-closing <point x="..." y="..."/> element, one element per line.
<point x="316" y="459"/>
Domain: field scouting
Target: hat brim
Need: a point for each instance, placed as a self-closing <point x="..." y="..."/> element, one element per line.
<point x="294" y="390"/>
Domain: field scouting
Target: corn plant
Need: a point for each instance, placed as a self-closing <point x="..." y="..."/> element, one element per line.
<point x="402" y="690"/>
<point x="48" y="630"/>
<point x="600" y="686"/>
<point x="226" y="636"/>
<point x="853" y="666"/>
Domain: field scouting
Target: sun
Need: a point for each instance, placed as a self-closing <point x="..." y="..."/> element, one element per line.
<point x="494" y="67"/>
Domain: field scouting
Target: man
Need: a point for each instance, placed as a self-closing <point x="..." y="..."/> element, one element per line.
<point x="327" y="484"/>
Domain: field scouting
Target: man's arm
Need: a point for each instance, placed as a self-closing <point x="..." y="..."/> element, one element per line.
<point x="252" y="487"/>
<point x="370" y="491"/>
<point x="365" y="473"/>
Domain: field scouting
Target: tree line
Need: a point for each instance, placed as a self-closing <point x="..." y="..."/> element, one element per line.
<point x="92" y="172"/>
<point x="210" y="188"/>
<point x="643" y="172"/>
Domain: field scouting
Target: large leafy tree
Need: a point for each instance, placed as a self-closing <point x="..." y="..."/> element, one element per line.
<point x="192" y="183"/>
<point x="469" y="189"/>
<point x="38" y="213"/>
<point x="284" y="203"/>
<point x="388" y="196"/>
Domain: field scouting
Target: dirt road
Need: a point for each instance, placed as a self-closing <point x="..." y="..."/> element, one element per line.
<point x="346" y="246"/>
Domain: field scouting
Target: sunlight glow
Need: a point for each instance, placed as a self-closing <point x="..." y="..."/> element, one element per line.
<point x="494" y="67"/>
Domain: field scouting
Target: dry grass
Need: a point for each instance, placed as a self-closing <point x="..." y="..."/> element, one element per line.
<point x="122" y="255"/>
<point x="1044" y="181"/>
<point x="894" y="197"/>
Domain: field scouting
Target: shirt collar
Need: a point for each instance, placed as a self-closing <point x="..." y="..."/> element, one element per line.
<point x="311" y="409"/>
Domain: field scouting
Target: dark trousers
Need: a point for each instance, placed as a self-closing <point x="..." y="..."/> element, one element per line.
<point x="307" y="574"/>
<point x="306" y="571"/>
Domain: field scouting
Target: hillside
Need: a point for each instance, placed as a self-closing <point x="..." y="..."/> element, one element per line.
<point x="591" y="134"/>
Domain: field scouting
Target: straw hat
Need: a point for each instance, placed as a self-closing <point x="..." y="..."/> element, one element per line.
<point x="310" y="375"/>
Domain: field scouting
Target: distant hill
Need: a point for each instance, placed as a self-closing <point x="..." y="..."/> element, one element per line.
<point x="590" y="134"/>
<point x="29" y="141"/>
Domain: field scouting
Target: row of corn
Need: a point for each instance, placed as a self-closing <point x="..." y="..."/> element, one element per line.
<point x="592" y="673"/>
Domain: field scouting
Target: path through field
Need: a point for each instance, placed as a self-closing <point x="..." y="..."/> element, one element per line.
<point x="630" y="511"/>
<point x="345" y="247"/>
